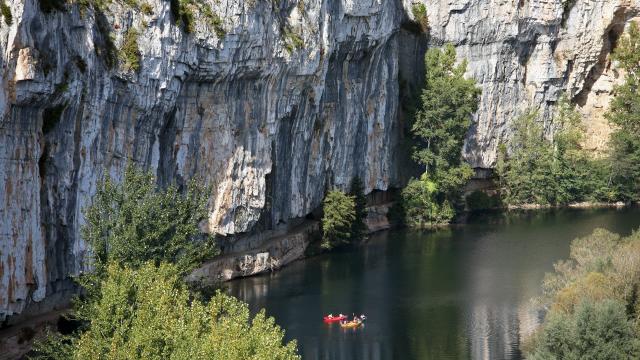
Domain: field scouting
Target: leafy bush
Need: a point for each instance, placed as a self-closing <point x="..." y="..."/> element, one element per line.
<point x="148" y="313"/>
<point x="133" y="222"/>
<point x="534" y="169"/>
<point x="338" y="219"/>
<point x="130" y="53"/>
<point x="6" y="13"/>
<point x="596" y="331"/>
<point x="420" y="204"/>
<point x="292" y="40"/>
<point x="215" y="20"/>
<point x="592" y="300"/>
<point x="419" y="11"/>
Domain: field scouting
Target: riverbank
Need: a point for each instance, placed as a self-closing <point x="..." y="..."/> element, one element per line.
<point x="271" y="250"/>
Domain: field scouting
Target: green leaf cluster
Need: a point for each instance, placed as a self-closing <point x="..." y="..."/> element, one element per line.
<point x="148" y="313"/>
<point x="337" y="221"/>
<point x="536" y="169"/>
<point x="5" y="11"/>
<point x="292" y="39"/>
<point x="135" y="304"/>
<point x="592" y="301"/>
<point x="133" y="222"/>
<point x="448" y="101"/>
<point x="624" y="113"/>
<point x="480" y="200"/>
<point x="130" y="52"/>
<point x="596" y="331"/>
<point x="421" y="206"/>
<point x="419" y="11"/>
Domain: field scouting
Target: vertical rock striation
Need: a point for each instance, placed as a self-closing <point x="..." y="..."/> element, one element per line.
<point x="277" y="103"/>
<point x="270" y="102"/>
<point x="526" y="54"/>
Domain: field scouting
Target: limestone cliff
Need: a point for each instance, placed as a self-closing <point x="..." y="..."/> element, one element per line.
<point x="270" y="102"/>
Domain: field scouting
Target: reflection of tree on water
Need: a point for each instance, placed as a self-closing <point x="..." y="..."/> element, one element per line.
<point x="427" y="316"/>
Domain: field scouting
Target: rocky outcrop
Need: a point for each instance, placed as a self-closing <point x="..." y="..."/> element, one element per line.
<point x="270" y="102"/>
<point x="525" y="54"/>
<point x="275" y="104"/>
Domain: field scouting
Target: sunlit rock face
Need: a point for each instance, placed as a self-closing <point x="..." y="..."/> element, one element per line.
<point x="279" y="104"/>
<point x="287" y="101"/>
<point x="526" y="54"/>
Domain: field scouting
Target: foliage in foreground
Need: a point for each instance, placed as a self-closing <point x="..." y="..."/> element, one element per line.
<point x="535" y="169"/>
<point x="148" y="313"/>
<point x="448" y="101"/>
<point x="594" y="310"/>
<point x="133" y="222"/>
<point x="338" y="219"/>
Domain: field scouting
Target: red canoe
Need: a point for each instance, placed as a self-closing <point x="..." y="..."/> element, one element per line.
<point x="334" y="318"/>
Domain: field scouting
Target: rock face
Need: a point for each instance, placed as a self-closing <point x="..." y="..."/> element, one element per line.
<point x="270" y="102"/>
<point x="526" y="54"/>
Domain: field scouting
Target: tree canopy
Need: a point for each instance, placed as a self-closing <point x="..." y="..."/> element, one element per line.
<point x="448" y="101"/>
<point x="148" y="313"/>
<point x="338" y="219"/>
<point x="134" y="221"/>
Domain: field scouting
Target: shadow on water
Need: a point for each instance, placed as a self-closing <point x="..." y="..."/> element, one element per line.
<point x="459" y="293"/>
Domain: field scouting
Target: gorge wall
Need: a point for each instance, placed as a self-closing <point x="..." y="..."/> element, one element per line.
<point x="270" y="102"/>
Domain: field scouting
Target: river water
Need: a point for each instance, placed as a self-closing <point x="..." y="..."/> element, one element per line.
<point x="460" y="293"/>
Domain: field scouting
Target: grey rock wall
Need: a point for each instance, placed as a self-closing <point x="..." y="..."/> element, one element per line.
<point x="269" y="128"/>
<point x="526" y="53"/>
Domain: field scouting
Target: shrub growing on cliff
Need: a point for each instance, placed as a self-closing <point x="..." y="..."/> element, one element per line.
<point x="130" y="53"/>
<point x="148" y="313"/>
<point x="6" y="13"/>
<point x="338" y="219"/>
<point x="133" y="222"/>
<point x="419" y="11"/>
<point x="448" y="101"/>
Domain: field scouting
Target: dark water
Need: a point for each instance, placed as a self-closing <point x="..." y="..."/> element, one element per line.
<point x="453" y="294"/>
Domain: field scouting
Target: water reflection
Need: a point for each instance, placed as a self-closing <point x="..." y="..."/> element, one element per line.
<point x="455" y="294"/>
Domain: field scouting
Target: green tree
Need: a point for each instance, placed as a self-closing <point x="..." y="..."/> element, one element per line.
<point x="596" y="331"/>
<point x="148" y="313"/>
<point x="448" y="101"/>
<point x="338" y="219"/>
<point x="527" y="171"/>
<point x="359" y="228"/>
<point x="624" y="113"/>
<point x="592" y="301"/>
<point x="134" y="221"/>
<point x="535" y="169"/>
<point x="421" y="206"/>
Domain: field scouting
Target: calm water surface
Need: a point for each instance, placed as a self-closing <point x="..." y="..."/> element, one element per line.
<point x="453" y="294"/>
